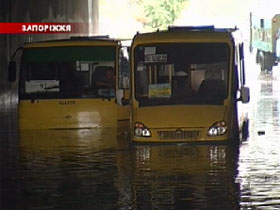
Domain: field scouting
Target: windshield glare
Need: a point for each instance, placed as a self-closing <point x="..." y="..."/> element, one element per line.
<point x="57" y="74"/>
<point x="193" y="73"/>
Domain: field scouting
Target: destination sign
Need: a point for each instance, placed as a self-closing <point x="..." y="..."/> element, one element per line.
<point x="156" y="58"/>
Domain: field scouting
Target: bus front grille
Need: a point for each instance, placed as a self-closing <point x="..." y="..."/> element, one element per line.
<point x="179" y="134"/>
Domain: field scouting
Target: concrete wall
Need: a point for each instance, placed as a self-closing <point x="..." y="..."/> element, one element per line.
<point x="41" y="11"/>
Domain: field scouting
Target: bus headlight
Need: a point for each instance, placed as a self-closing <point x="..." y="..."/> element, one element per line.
<point x="217" y="129"/>
<point x="141" y="130"/>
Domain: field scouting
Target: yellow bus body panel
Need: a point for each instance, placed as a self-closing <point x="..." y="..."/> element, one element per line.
<point x="180" y="116"/>
<point x="67" y="113"/>
<point x="123" y="119"/>
<point x="175" y="119"/>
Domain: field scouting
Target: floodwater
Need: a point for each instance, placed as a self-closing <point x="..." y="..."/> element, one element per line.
<point x="94" y="169"/>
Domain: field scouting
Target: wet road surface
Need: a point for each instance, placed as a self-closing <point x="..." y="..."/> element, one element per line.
<point x="259" y="162"/>
<point x="94" y="169"/>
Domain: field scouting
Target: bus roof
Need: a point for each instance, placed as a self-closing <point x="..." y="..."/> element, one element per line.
<point x="200" y="28"/>
<point x="75" y="41"/>
<point x="186" y="34"/>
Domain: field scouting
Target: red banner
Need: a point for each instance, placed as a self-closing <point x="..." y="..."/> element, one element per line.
<point x="21" y="28"/>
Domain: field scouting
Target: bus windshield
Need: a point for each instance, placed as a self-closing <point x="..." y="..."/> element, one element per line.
<point x="181" y="73"/>
<point x="68" y="72"/>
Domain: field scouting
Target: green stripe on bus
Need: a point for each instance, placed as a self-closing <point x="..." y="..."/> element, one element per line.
<point x="79" y="53"/>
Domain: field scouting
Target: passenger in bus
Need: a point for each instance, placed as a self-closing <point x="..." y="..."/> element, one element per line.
<point x="103" y="81"/>
<point x="212" y="85"/>
<point x="181" y="86"/>
<point x="104" y="77"/>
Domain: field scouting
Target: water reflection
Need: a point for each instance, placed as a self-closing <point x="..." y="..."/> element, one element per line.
<point x="9" y="182"/>
<point x="72" y="169"/>
<point x="185" y="177"/>
<point x="96" y="169"/>
<point x="259" y="173"/>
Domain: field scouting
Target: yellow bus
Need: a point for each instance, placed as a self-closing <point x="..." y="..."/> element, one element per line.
<point x="75" y="83"/>
<point x="188" y="85"/>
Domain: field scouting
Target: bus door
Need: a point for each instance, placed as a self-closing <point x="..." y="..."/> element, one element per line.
<point x="122" y="89"/>
<point x="243" y="94"/>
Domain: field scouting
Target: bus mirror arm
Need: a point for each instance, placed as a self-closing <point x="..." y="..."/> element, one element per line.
<point x="12" y="71"/>
<point x="244" y="95"/>
<point x="12" y="68"/>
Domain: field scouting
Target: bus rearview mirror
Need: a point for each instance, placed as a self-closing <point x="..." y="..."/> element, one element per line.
<point x="245" y="94"/>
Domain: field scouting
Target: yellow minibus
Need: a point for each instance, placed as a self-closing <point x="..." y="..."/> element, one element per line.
<point x="188" y="85"/>
<point x="75" y="83"/>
